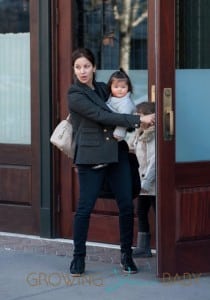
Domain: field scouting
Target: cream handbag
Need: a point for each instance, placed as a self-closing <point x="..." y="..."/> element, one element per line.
<point x="62" y="137"/>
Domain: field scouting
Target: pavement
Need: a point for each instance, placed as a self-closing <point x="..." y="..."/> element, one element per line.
<point x="42" y="275"/>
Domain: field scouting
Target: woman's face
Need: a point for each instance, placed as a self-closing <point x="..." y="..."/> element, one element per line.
<point x="83" y="69"/>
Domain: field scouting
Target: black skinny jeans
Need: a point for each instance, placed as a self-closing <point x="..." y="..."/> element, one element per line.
<point x="91" y="182"/>
<point x="143" y="207"/>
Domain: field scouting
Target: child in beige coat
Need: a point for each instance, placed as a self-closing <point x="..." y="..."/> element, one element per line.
<point x="143" y="144"/>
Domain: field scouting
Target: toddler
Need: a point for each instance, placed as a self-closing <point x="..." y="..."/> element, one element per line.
<point x="120" y="101"/>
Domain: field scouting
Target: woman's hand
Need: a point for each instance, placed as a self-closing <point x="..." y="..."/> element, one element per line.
<point x="144" y="191"/>
<point x="148" y="119"/>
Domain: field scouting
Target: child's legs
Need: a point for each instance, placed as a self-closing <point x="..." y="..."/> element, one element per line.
<point x="144" y="204"/>
<point x="153" y="203"/>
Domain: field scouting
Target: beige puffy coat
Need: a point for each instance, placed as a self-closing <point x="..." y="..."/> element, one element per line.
<point x="142" y="142"/>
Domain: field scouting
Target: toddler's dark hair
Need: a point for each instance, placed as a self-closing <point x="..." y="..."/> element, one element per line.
<point x="120" y="75"/>
<point x="146" y="108"/>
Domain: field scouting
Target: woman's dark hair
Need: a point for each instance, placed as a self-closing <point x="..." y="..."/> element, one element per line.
<point x="120" y="75"/>
<point x="146" y="108"/>
<point x="83" y="52"/>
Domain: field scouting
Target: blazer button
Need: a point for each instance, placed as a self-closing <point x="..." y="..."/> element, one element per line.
<point x="105" y="130"/>
<point x="107" y="138"/>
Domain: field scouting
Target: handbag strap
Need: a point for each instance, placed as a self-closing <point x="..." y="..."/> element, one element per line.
<point x="68" y="117"/>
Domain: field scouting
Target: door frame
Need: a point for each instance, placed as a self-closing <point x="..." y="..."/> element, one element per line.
<point x="45" y="97"/>
<point x="61" y="45"/>
<point x="165" y="78"/>
<point x="62" y="78"/>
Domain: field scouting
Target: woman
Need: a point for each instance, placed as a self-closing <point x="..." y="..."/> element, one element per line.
<point x="98" y="155"/>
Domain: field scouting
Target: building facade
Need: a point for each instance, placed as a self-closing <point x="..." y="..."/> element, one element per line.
<point x="165" y="49"/>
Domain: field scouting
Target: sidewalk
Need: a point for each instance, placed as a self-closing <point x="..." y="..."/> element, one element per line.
<point x="42" y="276"/>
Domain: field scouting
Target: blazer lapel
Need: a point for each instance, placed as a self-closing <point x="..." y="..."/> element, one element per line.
<point x="94" y="97"/>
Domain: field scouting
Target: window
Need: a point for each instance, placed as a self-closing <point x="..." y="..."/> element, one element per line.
<point x="193" y="34"/>
<point x="116" y="32"/>
<point x="15" y="99"/>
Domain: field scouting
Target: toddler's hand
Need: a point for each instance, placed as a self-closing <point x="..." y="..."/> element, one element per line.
<point x="118" y="138"/>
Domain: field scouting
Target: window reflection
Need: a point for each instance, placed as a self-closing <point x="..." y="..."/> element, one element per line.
<point x="116" y="31"/>
<point x="14" y="16"/>
<point x="15" y="86"/>
<point x="193" y="34"/>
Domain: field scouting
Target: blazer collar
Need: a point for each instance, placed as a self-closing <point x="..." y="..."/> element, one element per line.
<point x="92" y="94"/>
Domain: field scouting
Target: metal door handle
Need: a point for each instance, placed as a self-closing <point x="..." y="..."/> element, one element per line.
<point x="169" y="123"/>
<point x="168" y="115"/>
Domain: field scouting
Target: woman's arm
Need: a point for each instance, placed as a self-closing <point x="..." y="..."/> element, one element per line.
<point x="82" y="104"/>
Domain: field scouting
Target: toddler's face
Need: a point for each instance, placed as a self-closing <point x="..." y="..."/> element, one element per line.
<point x="119" y="88"/>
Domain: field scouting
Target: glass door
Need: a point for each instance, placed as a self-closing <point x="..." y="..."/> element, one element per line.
<point x="183" y="159"/>
<point x="15" y="86"/>
<point x="192" y="81"/>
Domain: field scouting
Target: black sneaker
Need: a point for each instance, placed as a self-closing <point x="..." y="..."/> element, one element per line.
<point x="77" y="267"/>
<point x="127" y="264"/>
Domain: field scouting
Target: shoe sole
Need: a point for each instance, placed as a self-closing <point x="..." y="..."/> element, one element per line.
<point x="128" y="272"/>
<point x="77" y="275"/>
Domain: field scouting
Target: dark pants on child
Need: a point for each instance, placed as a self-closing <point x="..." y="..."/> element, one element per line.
<point x="143" y="207"/>
<point x="91" y="182"/>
